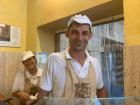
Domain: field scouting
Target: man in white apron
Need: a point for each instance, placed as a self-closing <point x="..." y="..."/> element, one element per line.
<point x="73" y="73"/>
<point x="26" y="82"/>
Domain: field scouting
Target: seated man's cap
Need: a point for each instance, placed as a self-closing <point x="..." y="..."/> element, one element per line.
<point x="82" y="19"/>
<point x="2" y="25"/>
<point x="26" y="55"/>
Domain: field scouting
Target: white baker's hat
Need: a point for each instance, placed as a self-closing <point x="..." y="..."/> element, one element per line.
<point x="82" y="19"/>
<point x="2" y="25"/>
<point x="26" y="55"/>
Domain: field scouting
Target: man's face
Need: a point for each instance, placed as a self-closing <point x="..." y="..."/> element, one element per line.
<point x="30" y="64"/>
<point x="79" y="35"/>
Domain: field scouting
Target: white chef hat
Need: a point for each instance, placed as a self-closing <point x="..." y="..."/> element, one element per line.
<point x="82" y="19"/>
<point x="2" y="25"/>
<point x="26" y="55"/>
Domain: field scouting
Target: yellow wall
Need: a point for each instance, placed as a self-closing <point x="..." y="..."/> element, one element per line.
<point x="132" y="22"/>
<point x="13" y="12"/>
<point x="45" y="11"/>
<point x="40" y="12"/>
<point x="46" y="40"/>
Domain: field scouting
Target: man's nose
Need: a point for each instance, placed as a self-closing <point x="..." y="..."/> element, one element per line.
<point x="80" y="36"/>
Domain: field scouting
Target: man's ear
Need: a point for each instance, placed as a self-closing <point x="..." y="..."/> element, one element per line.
<point x="91" y="35"/>
<point x="67" y="34"/>
<point x="22" y="62"/>
<point x="35" y="59"/>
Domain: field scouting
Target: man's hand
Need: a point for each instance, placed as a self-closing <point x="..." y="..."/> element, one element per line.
<point x="24" y="96"/>
<point x="42" y="93"/>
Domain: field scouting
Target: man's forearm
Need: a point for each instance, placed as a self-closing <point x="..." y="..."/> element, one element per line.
<point x="102" y="93"/>
<point x="42" y="93"/>
<point x="16" y="94"/>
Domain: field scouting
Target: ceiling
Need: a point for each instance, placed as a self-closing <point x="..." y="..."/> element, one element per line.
<point x="109" y="9"/>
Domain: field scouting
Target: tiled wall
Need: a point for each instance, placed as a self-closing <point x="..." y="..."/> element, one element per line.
<point x="9" y="64"/>
<point x="132" y="70"/>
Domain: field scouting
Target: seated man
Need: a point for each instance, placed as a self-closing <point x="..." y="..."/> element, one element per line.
<point x="26" y="82"/>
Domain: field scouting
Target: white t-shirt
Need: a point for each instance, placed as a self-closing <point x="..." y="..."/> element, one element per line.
<point x="54" y="75"/>
<point x="19" y="81"/>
